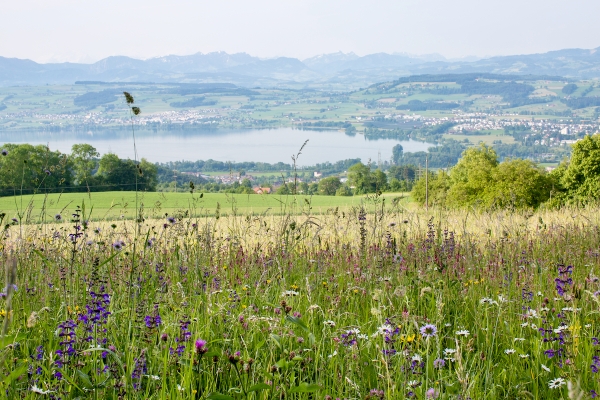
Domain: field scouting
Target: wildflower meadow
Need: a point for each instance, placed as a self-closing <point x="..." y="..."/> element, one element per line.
<point x="347" y="305"/>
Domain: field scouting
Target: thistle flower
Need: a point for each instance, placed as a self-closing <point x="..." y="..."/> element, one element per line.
<point x="201" y="348"/>
<point x="439" y="363"/>
<point x="118" y="245"/>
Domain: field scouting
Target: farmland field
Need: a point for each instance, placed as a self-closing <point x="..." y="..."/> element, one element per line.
<point x="117" y="205"/>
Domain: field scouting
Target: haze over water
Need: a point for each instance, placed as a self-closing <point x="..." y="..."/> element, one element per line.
<point x="270" y="145"/>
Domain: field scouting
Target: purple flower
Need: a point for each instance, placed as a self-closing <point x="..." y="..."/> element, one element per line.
<point x="4" y="152"/>
<point x="39" y="353"/>
<point x="118" y="245"/>
<point x="428" y="330"/>
<point x="47" y="172"/>
<point x="200" y="347"/>
<point x="153" y="321"/>
<point x="595" y="364"/>
<point x="171" y="220"/>
<point x="431" y="393"/>
<point x="439" y="363"/>
<point x="139" y="369"/>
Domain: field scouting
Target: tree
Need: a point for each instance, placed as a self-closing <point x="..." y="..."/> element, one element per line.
<point x="303" y="188"/>
<point x="581" y="178"/>
<point x="519" y="184"/>
<point x="403" y="172"/>
<point x="359" y="176"/>
<point x="328" y="186"/>
<point x="397" y="153"/>
<point x="438" y="185"/>
<point x="83" y="158"/>
<point x="343" y="191"/>
<point x="569" y="88"/>
<point x="472" y="176"/>
<point x="32" y="169"/>
<point x="122" y="174"/>
<point x="379" y="180"/>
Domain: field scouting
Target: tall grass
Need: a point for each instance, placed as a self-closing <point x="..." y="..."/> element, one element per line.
<point x="388" y="304"/>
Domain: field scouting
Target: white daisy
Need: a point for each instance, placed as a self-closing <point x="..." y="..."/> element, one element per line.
<point x="462" y="332"/>
<point x="560" y="329"/>
<point x="487" y="300"/>
<point x="329" y="323"/>
<point x="289" y="293"/>
<point x="510" y="351"/>
<point x="449" y="351"/>
<point x="556" y="383"/>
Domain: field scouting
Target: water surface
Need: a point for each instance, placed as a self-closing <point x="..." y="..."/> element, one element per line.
<point x="265" y="145"/>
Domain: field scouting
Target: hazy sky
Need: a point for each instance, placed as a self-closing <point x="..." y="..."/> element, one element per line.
<point x="88" y="30"/>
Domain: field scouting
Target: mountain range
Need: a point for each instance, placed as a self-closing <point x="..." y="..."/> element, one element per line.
<point x="339" y="68"/>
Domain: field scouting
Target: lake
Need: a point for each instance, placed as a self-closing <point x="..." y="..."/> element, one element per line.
<point x="265" y="145"/>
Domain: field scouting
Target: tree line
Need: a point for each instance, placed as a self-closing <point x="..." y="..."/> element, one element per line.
<point x="27" y="169"/>
<point x="480" y="180"/>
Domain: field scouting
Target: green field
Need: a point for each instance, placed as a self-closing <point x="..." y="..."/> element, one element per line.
<point x="115" y="205"/>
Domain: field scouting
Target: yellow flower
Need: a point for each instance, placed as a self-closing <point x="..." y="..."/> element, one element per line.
<point x="324" y="283"/>
<point x="224" y="267"/>
<point x="245" y="287"/>
<point x="268" y="281"/>
<point x="3" y="313"/>
<point x="407" y="338"/>
<point x="244" y="306"/>
<point x="355" y="290"/>
<point x="294" y="287"/>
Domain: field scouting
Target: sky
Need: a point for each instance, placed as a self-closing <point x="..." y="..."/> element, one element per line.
<point x="89" y="30"/>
